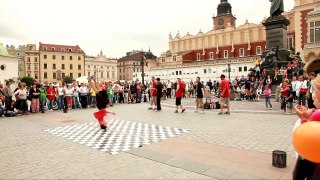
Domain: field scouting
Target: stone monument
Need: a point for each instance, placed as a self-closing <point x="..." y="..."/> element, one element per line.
<point x="276" y="53"/>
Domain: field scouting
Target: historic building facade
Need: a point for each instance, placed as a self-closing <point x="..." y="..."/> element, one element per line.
<point x="57" y="61"/>
<point x="104" y="69"/>
<point x="8" y="66"/>
<point x="31" y="60"/>
<point x="20" y="53"/>
<point x="227" y="46"/>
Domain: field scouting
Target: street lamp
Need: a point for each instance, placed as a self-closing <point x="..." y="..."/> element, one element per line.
<point x="143" y="62"/>
<point x="229" y="70"/>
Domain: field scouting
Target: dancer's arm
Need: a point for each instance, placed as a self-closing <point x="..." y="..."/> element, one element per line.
<point x="113" y="113"/>
<point x="93" y="86"/>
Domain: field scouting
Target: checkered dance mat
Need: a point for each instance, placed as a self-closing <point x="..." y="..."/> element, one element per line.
<point x="120" y="136"/>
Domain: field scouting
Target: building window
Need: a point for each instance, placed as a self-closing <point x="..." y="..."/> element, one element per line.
<point x="71" y="67"/>
<point x="69" y="50"/>
<point x="198" y="57"/>
<point x="240" y="69"/>
<point x="62" y="57"/>
<point x="241" y="52"/>
<point x="112" y="75"/>
<point x="107" y="74"/>
<point x="71" y="75"/>
<point x="62" y="49"/>
<point x="88" y="66"/>
<point x="245" y="69"/>
<point x="120" y="70"/>
<point x="36" y="67"/>
<point x="45" y="56"/>
<point x="35" y="59"/>
<point x="89" y="74"/>
<point x="79" y="50"/>
<point x="36" y="76"/>
<point x="314" y="31"/>
<point x="53" y="56"/>
<point x="29" y="75"/>
<point x="63" y="75"/>
<point x="258" y="50"/>
<point x="70" y="57"/>
<point x="290" y="42"/>
<point x="53" y="66"/>
<point x="62" y="66"/>
<point x="209" y="70"/>
<point x="79" y="67"/>
<point x="28" y="59"/>
<point x="53" y="49"/>
<point x="2" y="67"/>
<point x="44" y="48"/>
<point x="226" y="54"/>
<point x="54" y="75"/>
<point x="79" y="58"/>
<point x="29" y="67"/>
<point x="45" y="66"/>
<point x="45" y="75"/>
<point x="180" y="72"/>
<point x="163" y="59"/>
<point x="205" y="71"/>
<point x="174" y="58"/>
<point x="211" y="55"/>
<point x="79" y="74"/>
<point x="101" y="74"/>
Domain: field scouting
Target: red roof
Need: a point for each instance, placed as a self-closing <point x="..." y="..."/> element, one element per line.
<point x="60" y="48"/>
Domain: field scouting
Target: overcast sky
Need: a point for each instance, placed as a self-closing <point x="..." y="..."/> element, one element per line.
<point x="118" y="26"/>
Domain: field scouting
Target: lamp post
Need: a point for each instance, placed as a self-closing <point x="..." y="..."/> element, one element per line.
<point x="229" y="70"/>
<point x="143" y="62"/>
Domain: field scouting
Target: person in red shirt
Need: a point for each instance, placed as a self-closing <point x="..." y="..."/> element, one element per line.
<point x="153" y="92"/>
<point x="225" y="94"/>
<point x="51" y="95"/>
<point x="180" y="89"/>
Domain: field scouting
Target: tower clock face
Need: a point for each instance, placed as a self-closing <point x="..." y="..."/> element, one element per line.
<point x="220" y="21"/>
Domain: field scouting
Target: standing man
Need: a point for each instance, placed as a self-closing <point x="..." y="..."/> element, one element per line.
<point x="153" y="92"/>
<point x="83" y="90"/>
<point x="169" y="86"/>
<point x="199" y="93"/>
<point x="159" y="87"/>
<point x="7" y="94"/>
<point x="180" y="89"/>
<point x="310" y="90"/>
<point x="209" y="83"/>
<point x="225" y="94"/>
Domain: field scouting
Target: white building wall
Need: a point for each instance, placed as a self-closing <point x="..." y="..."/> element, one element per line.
<point x="10" y="68"/>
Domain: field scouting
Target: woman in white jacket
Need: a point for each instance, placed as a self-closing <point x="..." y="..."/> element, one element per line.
<point x="301" y="90"/>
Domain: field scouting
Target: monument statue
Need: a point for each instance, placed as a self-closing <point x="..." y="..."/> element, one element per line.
<point x="276" y="8"/>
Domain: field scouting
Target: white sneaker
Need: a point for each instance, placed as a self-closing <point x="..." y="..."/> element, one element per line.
<point x="270" y="108"/>
<point x="196" y="111"/>
<point x="201" y="112"/>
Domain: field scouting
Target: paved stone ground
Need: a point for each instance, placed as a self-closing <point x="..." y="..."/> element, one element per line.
<point x="27" y="152"/>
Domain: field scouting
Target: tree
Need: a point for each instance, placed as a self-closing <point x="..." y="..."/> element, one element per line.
<point x="67" y="80"/>
<point x="28" y="80"/>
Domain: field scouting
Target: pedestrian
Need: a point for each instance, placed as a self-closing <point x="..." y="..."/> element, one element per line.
<point x="102" y="102"/>
<point x="68" y="94"/>
<point x="35" y="102"/>
<point x="267" y="95"/>
<point x="289" y="100"/>
<point x="153" y="92"/>
<point x="42" y="98"/>
<point x="21" y="95"/>
<point x="110" y="94"/>
<point x="51" y="95"/>
<point x="159" y="87"/>
<point x="225" y="94"/>
<point x="75" y="98"/>
<point x="199" y="93"/>
<point x="180" y="88"/>
<point x="7" y="94"/>
<point x="83" y="90"/>
<point x="60" y="96"/>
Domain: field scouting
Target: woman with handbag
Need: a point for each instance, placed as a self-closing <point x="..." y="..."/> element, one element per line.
<point x="302" y="88"/>
<point x="34" y="93"/>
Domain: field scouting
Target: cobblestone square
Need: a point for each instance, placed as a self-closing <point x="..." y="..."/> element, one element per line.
<point x="215" y="147"/>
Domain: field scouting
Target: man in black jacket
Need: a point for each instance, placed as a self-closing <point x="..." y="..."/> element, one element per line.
<point x="159" y="94"/>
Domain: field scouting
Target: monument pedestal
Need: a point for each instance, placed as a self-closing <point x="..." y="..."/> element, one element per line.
<point x="276" y="32"/>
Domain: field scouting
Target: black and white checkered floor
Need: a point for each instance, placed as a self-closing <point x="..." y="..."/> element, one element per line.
<point x="121" y="135"/>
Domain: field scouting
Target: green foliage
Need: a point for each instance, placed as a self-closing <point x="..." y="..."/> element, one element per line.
<point x="67" y="80"/>
<point x="11" y="80"/>
<point x="28" y="80"/>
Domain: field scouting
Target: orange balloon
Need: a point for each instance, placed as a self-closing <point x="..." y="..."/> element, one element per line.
<point x="306" y="141"/>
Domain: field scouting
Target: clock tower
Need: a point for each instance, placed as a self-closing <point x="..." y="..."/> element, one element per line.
<point x="224" y="17"/>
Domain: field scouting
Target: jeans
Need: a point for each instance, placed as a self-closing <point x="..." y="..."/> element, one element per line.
<point x="169" y="92"/>
<point x="159" y="102"/>
<point x="126" y="96"/>
<point x="8" y="102"/>
<point x="42" y="104"/>
<point x="93" y="100"/>
<point x="268" y="102"/>
<point x="83" y="101"/>
<point x="60" y="102"/>
<point x="116" y="97"/>
<point x="76" y="102"/>
<point x="283" y="103"/>
<point x="290" y="105"/>
<point x="23" y="105"/>
<point x="302" y="99"/>
<point x="138" y="100"/>
<point x="50" y="104"/>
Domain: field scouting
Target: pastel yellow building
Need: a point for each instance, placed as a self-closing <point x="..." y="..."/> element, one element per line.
<point x="31" y="60"/>
<point x="58" y="61"/>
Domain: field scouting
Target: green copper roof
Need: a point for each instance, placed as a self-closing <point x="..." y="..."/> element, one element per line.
<point x="3" y="50"/>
